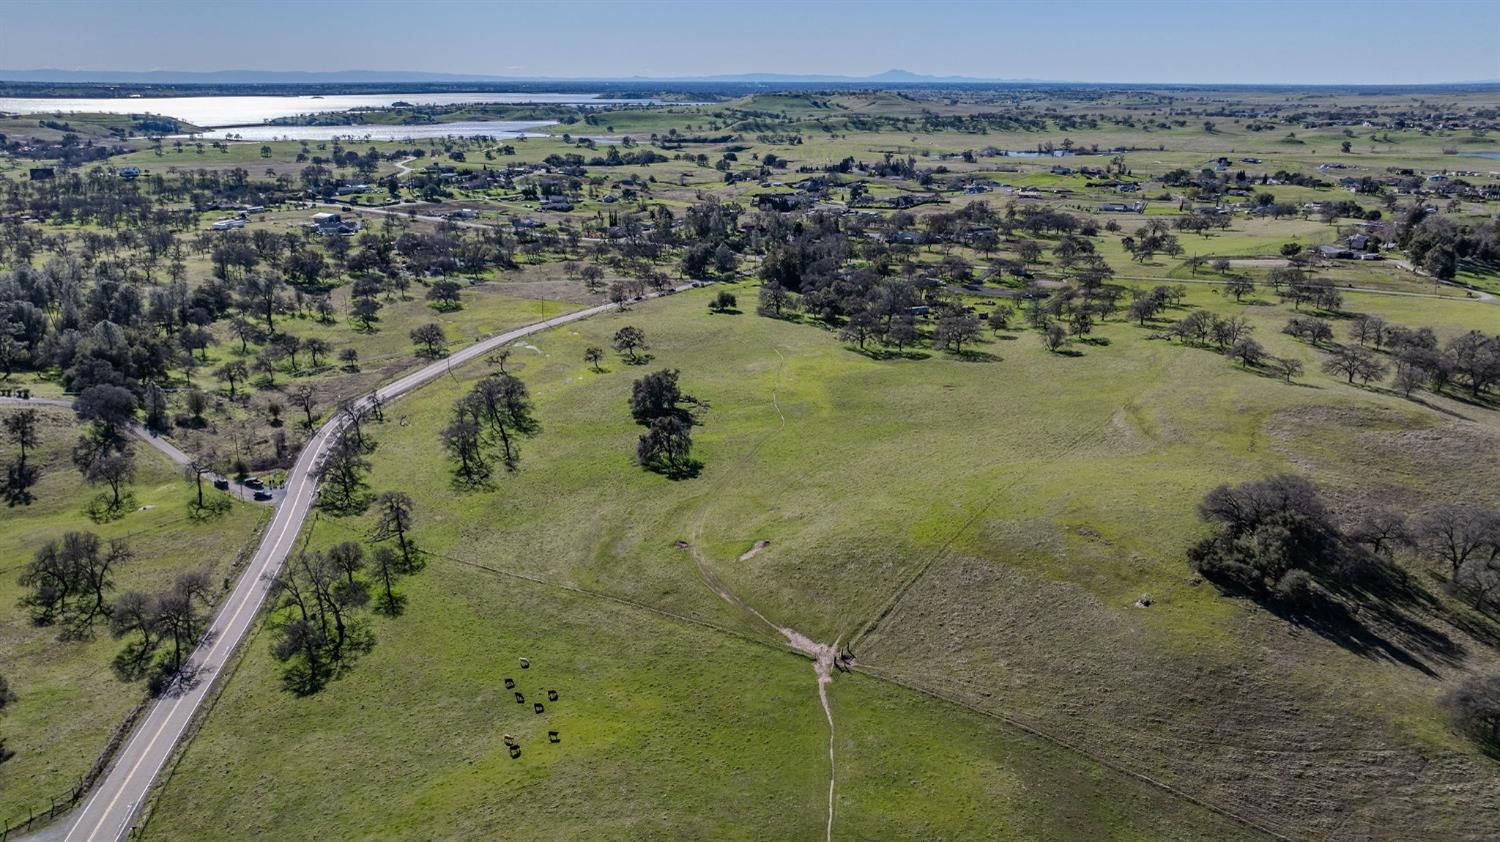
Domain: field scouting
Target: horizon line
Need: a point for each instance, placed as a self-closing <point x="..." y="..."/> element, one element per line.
<point x="888" y="77"/>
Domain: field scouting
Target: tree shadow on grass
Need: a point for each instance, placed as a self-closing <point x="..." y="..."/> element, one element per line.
<point x="891" y="353"/>
<point x="1442" y="410"/>
<point x="1069" y="352"/>
<point x="1333" y="621"/>
<point x="677" y="471"/>
<point x="341" y="505"/>
<point x="16" y="485"/>
<point x="1271" y="374"/>
<point x="970" y="355"/>
<point x="1096" y="341"/>
<point x="473" y="482"/>
<point x="393" y="607"/>
<point x="213" y="507"/>
<point x="1373" y="614"/>
<point x="102" y="509"/>
<point x="1483" y="401"/>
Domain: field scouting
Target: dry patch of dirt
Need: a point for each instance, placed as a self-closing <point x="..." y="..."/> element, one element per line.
<point x="1397" y="459"/>
<point x="754" y="550"/>
<point x="548" y="289"/>
<point x="1256" y="715"/>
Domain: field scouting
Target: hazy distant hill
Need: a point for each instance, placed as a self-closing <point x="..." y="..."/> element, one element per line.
<point x="260" y="77"/>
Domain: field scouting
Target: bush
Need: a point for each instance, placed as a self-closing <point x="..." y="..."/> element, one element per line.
<point x="1266" y="529"/>
<point x="723" y="302"/>
<point x="1229" y="575"/>
<point x="1297" y="591"/>
<point x="1475" y="707"/>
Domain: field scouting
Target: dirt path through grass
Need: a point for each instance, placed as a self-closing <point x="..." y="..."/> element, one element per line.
<point x="824" y="656"/>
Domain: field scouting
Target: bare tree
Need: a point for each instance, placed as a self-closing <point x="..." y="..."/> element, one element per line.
<point x="394" y="520"/>
<point x="1458" y="533"/>
<point x="305" y="398"/>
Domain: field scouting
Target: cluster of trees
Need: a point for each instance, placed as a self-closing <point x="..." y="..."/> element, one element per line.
<point x="1438" y="243"/>
<point x="1414" y="358"/>
<point x="341" y="473"/>
<point x="1277" y="541"/>
<point x="709" y="235"/>
<point x="1275" y="537"/>
<point x="1151" y="239"/>
<point x="1293" y="285"/>
<point x="110" y="337"/>
<point x="176" y="615"/>
<point x="1232" y="336"/>
<point x="319" y="596"/>
<point x="69" y="583"/>
<point x="658" y="403"/>
<point x="487" y="426"/>
<point x="103" y="454"/>
<point x="1270" y="530"/>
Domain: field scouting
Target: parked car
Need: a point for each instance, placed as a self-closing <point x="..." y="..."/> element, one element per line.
<point x="262" y="495"/>
<point x="252" y="482"/>
<point x="221" y="484"/>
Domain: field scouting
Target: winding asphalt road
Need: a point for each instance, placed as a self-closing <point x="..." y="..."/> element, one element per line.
<point x="110" y="810"/>
<point x="151" y="439"/>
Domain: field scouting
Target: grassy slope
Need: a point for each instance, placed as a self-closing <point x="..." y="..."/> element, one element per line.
<point x="69" y="699"/>
<point x="1092" y="465"/>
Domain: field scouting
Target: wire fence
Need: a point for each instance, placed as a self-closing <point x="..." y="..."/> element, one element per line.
<point x="60" y="804"/>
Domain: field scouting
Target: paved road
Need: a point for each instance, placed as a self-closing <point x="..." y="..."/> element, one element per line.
<point x="110" y="810"/>
<point x="154" y="441"/>
<point x="403" y="211"/>
<point x="1478" y="295"/>
<point x="404" y="214"/>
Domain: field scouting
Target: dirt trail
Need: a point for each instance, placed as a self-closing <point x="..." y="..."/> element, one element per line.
<point x="824" y="656"/>
<point x="754" y="550"/>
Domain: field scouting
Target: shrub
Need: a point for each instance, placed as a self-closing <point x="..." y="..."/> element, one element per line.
<point x="1273" y="536"/>
<point x="1475" y="707"/>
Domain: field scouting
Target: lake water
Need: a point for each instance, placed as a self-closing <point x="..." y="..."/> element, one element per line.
<point x="220" y="111"/>
<point x="499" y="129"/>
<point x="1482" y="154"/>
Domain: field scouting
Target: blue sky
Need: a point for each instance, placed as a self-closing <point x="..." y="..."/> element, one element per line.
<point x="1309" y="41"/>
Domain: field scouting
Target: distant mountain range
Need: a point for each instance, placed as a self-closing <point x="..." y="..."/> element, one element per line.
<point x="415" y="77"/>
<point x="264" y="77"/>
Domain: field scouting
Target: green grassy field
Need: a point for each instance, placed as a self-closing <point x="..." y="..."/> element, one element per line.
<point x="68" y="698"/>
<point x="985" y="532"/>
<point x="1046" y="492"/>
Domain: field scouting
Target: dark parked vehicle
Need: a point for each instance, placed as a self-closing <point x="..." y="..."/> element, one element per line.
<point x="262" y="496"/>
<point x="221" y="484"/>
<point x="252" y="482"/>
